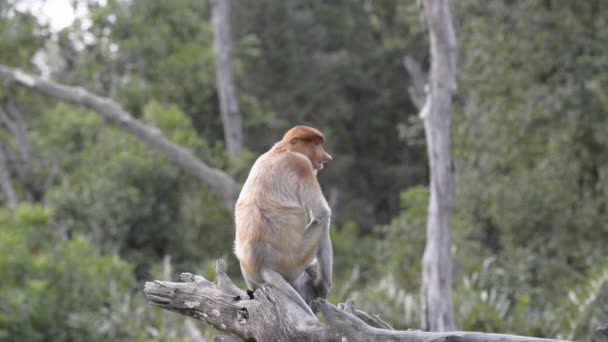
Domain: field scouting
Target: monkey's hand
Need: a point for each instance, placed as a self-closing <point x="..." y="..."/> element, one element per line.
<point x="322" y="287"/>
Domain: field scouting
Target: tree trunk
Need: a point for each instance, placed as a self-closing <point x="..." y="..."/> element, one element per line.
<point x="13" y="119"/>
<point x="438" y="312"/>
<point x="217" y="179"/>
<point x="6" y="183"/>
<point x="229" y="105"/>
<point x="269" y="315"/>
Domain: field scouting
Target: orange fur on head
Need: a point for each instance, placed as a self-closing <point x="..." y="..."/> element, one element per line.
<point x="304" y="133"/>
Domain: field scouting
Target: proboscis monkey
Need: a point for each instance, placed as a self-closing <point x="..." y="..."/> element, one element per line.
<point x="275" y="242"/>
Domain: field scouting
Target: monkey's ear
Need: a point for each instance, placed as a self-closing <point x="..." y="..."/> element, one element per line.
<point x="294" y="141"/>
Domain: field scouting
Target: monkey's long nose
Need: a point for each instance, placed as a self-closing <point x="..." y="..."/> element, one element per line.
<point x="327" y="157"/>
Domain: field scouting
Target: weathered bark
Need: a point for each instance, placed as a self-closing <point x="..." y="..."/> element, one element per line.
<point x="229" y="105"/>
<point x="270" y="315"/>
<point x="438" y="312"/>
<point x="152" y="136"/>
<point x="5" y="182"/>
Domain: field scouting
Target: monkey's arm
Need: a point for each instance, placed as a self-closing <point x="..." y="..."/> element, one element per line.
<point x="309" y="191"/>
<point x="317" y="231"/>
<point x="325" y="262"/>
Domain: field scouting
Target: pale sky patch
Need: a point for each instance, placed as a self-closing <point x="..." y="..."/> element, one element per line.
<point x="59" y="14"/>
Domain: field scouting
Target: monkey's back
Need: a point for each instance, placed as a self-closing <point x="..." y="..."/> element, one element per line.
<point x="270" y="218"/>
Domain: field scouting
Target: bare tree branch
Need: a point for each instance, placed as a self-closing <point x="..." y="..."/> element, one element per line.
<point x="229" y="104"/>
<point x="419" y="81"/>
<point x="152" y="136"/>
<point x="269" y="315"/>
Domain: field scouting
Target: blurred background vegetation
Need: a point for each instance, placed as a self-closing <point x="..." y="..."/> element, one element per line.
<point x="100" y="213"/>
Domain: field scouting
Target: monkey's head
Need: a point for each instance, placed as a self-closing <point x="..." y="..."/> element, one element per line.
<point x="309" y="142"/>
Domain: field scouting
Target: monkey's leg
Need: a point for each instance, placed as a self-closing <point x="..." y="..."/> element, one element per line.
<point x="316" y="280"/>
<point x="304" y="284"/>
<point x="250" y="284"/>
<point x="277" y="280"/>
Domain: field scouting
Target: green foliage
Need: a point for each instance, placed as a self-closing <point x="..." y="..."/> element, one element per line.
<point x="48" y="281"/>
<point x="530" y="135"/>
<point x="22" y="34"/>
<point x="65" y="142"/>
<point x="127" y="197"/>
<point x="54" y="288"/>
<point x="398" y="306"/>
<point x="163" y="51"/>
<point x="532" y="194"/>
<point x="349" y="260"/>
<point x="585" y="302"/>
<point x="486" y="302"/>
<point x="403" y="239"/>
<point x="390" y="290"/>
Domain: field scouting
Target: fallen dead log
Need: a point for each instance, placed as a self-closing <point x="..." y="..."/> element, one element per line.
<point x="270" y="315"/>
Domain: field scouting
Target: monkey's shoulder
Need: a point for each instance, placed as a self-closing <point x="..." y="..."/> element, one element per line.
<point x="298" y="163"/>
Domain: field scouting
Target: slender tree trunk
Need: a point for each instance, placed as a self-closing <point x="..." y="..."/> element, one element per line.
<point x="229" y="105"/>
<point x="6" y="183"/>
<point x="438" y="312"/>
<point x="12" y="118"/>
